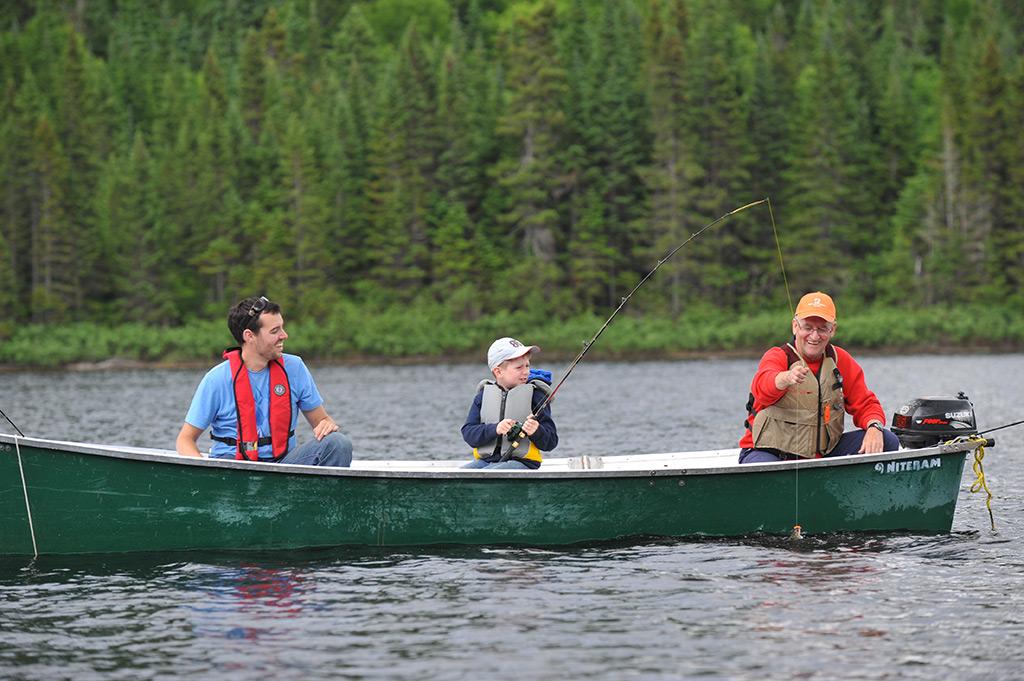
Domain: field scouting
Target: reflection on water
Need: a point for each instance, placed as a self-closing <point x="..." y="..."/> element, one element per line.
<point x="248" y="600"/>
<point x="839" y="606"/>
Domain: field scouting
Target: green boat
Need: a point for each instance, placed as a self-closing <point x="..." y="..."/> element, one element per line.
<point x="74" y="498"/>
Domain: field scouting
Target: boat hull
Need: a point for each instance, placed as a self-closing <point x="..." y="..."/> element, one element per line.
<point x="57" y="498"/>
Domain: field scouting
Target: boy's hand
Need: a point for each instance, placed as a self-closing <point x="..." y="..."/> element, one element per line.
<point x="531" y="425"/>
<point x="505" y="426"/>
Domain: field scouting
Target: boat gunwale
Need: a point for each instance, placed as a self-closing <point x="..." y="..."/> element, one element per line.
<point x="639" y="471"/>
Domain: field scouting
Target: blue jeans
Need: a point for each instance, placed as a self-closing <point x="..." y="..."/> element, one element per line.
<point x="334" y="450"/>
<point x="480" y="463"/>
<point x="848" y="444"/>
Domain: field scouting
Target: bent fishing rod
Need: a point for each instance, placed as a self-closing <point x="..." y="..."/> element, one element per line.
<point x="515" y="434"/>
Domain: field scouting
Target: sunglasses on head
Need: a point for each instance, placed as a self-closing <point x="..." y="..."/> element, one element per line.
<point x="259" y="306"/>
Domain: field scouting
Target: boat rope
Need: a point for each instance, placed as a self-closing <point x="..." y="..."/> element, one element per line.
<point x="979" y="477"/>
<point x="28" y="508"/>
<point x="515" y="435"/>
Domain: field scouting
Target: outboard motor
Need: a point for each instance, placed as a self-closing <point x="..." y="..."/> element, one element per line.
<point x="927" y="421"/>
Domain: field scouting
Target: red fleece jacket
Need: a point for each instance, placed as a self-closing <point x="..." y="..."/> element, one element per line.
<point x="859" y="401"/>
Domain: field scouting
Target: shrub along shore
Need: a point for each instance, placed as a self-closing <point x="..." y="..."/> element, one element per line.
<point x="431" y="335"/>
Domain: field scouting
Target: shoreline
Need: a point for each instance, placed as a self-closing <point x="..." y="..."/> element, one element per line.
<point x="125" y="364"/>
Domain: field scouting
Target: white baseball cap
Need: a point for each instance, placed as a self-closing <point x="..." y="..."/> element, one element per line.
<point x="507" y="348"/>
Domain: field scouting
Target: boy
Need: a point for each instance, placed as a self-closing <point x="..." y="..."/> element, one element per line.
<point x="513" y="395"/>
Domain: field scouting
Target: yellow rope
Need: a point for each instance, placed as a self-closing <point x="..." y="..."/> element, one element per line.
<point x="980" y="483"/>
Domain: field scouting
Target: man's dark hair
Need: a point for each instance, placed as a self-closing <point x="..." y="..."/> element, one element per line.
<point x="245" y="314"/>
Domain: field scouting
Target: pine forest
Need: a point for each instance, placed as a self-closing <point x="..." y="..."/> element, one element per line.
<point x="420" y="176"/>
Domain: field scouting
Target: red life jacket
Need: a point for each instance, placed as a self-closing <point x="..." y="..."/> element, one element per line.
<point x="247" y="444"/>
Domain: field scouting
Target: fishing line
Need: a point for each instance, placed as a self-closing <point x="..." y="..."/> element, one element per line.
<point x="515" y="434"/>
<point x="796" y="533"/>
<point x="12" y="423"/>
<point x="778" y="247"/>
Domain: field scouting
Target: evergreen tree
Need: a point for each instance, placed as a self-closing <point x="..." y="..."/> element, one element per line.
<point x="8" y="290"/>
<point x="306" y="217"/>
<point x="19" y="110"/>
<point x="530" y="170"/>
<point x="81" y="115"/>
<point x="213" y="205"/>
<point x="994" y="142"/>
<point x="129" y="209"/>
<point x="831" y="183"/>
<point x="721" y="68"/>
<point x="54" y="284"/>
<point x="616" y="147"/>
<point x="347" y="176"/>
<point x="355" y="42"/>
<point x="772" y="138"/>
<point x="667" y="178"/>
<point x="404" y="149"/>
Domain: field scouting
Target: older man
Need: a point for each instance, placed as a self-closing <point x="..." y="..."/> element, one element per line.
<point x="803" y="390"/>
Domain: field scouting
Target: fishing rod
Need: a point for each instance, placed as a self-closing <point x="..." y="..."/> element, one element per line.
<point x="12" y="423"/>
<point x="992" y="430"/>
<point x="515" y="434"/>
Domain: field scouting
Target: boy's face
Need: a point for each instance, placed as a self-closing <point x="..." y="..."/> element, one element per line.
<point x="513" y="372"/>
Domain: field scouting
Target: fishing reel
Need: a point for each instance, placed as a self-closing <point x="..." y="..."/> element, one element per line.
<point x="514" y="435"/>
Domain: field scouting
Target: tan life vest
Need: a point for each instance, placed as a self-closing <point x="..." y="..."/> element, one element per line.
<point x="498" y="404"/>
<point x="809" y="419"/>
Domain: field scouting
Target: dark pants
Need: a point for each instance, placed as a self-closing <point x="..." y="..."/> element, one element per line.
<point x="848" y="444"/>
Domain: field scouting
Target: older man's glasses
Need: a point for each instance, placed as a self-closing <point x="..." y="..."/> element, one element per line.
<point x="820" y="330"/>
<point x="259" y="306"/>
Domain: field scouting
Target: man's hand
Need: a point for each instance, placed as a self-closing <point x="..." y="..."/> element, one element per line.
<point x="321" y="422"/>
<point x="325" y="427"/>
<point x="873" y="442"/>
<point x="796" y="374"/>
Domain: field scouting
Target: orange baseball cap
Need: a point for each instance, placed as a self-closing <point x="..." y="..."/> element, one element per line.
<point x="816" y="304"/>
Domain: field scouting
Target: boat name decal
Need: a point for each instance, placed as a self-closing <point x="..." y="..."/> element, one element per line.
<point x="902" y="466"/>
<point x="5" y="448"/>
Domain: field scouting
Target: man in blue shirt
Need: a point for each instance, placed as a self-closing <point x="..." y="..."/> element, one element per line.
<point x="255" y="396"/>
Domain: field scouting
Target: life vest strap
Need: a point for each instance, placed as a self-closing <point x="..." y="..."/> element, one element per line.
<point x="233" y="442"/>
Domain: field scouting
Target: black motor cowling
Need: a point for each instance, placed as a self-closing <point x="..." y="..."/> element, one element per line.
<point x="927" y="421"/>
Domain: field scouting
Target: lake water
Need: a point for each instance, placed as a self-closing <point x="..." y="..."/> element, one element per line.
<point x="849" y="607"/>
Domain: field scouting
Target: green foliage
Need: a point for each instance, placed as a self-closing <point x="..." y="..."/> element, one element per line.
<point x="427" y="332"/>
<point x="398" y="173"/>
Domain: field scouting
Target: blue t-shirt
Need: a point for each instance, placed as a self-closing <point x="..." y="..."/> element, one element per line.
<point x="213" y="405"/>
